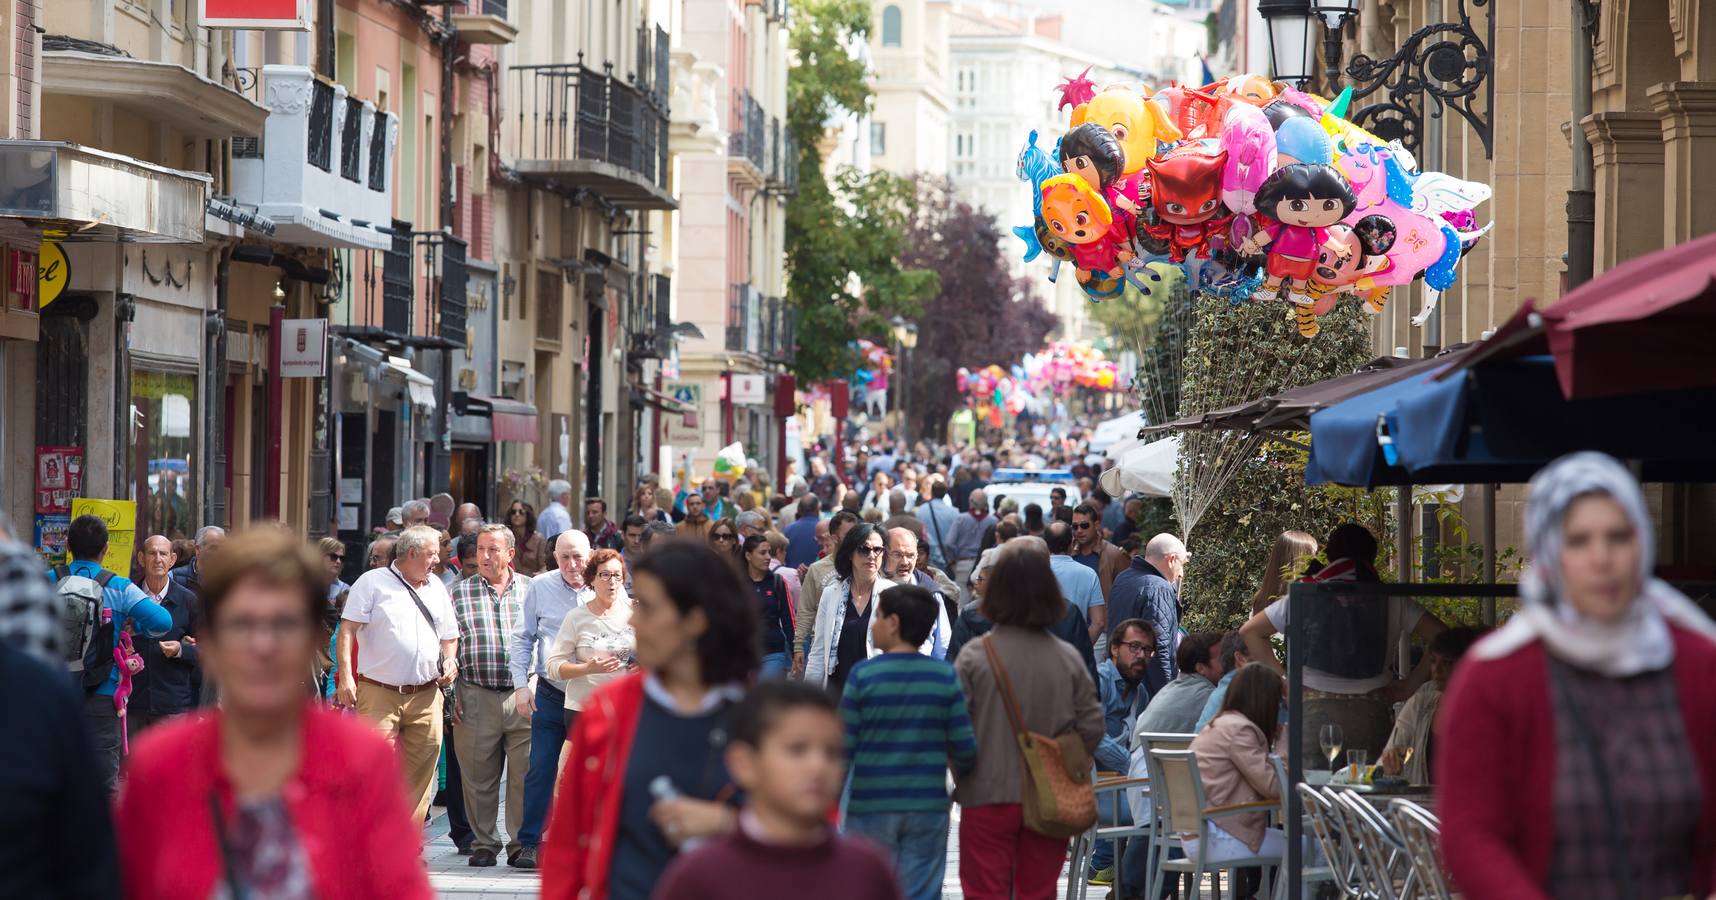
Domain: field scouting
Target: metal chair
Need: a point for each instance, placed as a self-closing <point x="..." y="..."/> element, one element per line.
<point x="1328" y="824"/>
<point x="1179" y="786"/>
<point x="1308" y="874"/>
<point x="1383" y="866"/>
<point x="1160" y="838"/>
<point x="1114" y="787"/>
<point x="1421" y="832"/>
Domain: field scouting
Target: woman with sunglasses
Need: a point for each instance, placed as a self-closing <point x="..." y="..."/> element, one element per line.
<point x="724" y="537"/>
<point x="521" y="518"/>
<point x="841" y="636"/>
<point x="595" y="644"/>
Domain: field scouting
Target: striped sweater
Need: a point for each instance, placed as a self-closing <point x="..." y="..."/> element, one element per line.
<point x="905" y="721"/>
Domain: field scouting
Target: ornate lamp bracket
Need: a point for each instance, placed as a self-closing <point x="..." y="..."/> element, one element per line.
<point x="1440" y="67"/>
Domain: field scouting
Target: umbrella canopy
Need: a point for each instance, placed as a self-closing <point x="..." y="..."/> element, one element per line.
<point x="1146" y="469"/>
<point x="1115" y="430"/>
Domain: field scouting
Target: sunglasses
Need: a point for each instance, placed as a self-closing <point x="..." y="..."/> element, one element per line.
<point x="337" y="557"/>
<point x="722" y="537"/>
<point x="872" y="550"/>
<point x="1081" y="526"/>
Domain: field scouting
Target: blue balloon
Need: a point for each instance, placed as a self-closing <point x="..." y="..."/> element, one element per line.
<point x="1304" y="140"/>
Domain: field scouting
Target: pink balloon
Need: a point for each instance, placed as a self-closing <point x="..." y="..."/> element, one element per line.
<point x="1419" y="241"/>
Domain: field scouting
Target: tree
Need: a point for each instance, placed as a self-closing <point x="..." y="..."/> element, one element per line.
<point x="843" y="239"/>
<point x="980" y="315"/>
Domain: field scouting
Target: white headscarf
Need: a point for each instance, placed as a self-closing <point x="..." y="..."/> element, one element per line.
<point x="1638" y="641"/>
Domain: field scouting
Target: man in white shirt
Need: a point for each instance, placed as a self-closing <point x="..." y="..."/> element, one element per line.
<point x="555" y="517"/>
<point x="404" y="619"/>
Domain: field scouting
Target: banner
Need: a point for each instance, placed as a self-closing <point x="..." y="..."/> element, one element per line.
<point x="121" y="519"/>
<point x="59" y="478"/>
<point x="289" y="15"/>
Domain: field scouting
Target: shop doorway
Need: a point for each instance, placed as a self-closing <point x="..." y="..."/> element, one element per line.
<point x="471" y="479"/>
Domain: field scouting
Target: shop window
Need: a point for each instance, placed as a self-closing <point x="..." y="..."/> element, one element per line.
<point x="163" y="438"/>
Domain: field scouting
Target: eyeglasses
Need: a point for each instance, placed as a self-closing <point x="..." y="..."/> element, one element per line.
<point x="872" y="550"/>
<point x="611" y="576"/>
<point x="1081" y="526"/>
<point x="1138" y="647"/>
<point x="723" y="536"/>
<point x="247" y="628"/>
<point x="337" y="557"/>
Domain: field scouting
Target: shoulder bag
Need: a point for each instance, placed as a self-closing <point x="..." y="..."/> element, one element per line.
<point x="440" y="661"/>
<point x="1058" y="798"/>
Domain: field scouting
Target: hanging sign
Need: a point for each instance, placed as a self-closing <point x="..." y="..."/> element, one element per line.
<point x="303" y="348"/>
<point x="277" y="15"/>
<point x="53" y="272"/>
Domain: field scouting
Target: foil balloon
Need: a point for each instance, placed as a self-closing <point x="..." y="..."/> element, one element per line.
<point x="1355" y="254"/>
<point x="1300" y="140"/>
<point x="1297" y="205"/>
<point x="1185" y="200"/>
<point x="1079" y="216"/>
<point x="1135" y="122"/>
<point x="1249" y="142"/>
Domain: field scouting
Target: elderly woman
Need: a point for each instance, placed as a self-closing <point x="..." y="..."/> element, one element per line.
<point x="532" y="556"/>
<point x="269" y="794"/>
<point x="1577" y="751"/>
<point x="840" y="637"/>
<point x="595" y="644"/>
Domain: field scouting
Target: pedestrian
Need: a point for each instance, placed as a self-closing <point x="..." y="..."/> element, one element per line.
<point x="1234" y="766"/>
<point x="170" y="682"/>
<point x="1604" y="679"/>
<point x="938" y="516"/>
<point x="789" y="577"/>
<point x="965" y="539"/>
<point x="446" y="565"/>
<point x="654" y="533"/>
<point x="815" y="580"/>
<point x="841" y="636"/>
<point x="603" y="533"/>
<point x="696" y="522"/>
<point x="972" y="621"/>
<point x="334" y="557"/>
<point x="413" y="513"/>
<point x="644" y="506"/>
<point x="466" y="548"/>
<point x="1120" y="687"/>
<point x="548" y="600"/>
<point x="489" y="731"/>
<point x="209" y="539"/>
<point x="906" y="551"/>
<point x="750" y="524"/>
<point x="1046" y="683"/>
<point x="801" y="534"/>
<point x="380" y="553"/>
<point x="95" y="605"/>
<point x="632" y="531"/>
<point x="394" y="521"/>
<point x="1132" y="510"/>
<point x="646" y="774"/>
<point x="786" y="754"/>
<point x="270" y="794"/>
<point x="1091" y="549"/>
<point x="905" y="721"/>
<point x="555" y="517"/>
<point x="724" y="537"/>
<point x="595" y="645"/>
<point x="774" y="606"/>
<point x="404" y="620"/>
<point x="1079" y="583"/>
<point x="1149" y="589"/>
<point x="1292" y="550"/>
<point x="30" y="613"/>
<point x="530" y="555"/>
<point x="1033" y="524"/>
<point x="824" y="484"/>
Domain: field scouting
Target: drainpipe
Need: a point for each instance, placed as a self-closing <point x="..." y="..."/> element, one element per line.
<point x="214" y="397"/>
<point x="440" y="458"/>
<point x="271" y="470"/>
<point x="1582" y="198"/>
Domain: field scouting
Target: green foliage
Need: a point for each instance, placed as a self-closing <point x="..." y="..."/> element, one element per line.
<point x="1239" y="353"/>
<point x="843" y="240"/>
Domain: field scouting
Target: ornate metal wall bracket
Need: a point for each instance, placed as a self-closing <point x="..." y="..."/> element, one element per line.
<point x="1440" y="67"/>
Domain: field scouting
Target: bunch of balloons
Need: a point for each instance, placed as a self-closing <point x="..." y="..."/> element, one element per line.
<point x="1270" y="185"/>
<point x="874" y="365"/>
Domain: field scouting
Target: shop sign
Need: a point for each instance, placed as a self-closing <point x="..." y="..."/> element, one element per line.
<point x="303" y="348"/>
<point x="22" y="279"/>
<point x="280" y="15"/>
<point x="748" y="390"/>
<point x="53" y="272"/>
<point x="121" y="519"/>
<point x="683" y="430"/>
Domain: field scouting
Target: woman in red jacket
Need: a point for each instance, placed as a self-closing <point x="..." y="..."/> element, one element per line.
<point x="645" y="775"/>
<point x="1576" y="755"/>
<point x="272" y="794"/>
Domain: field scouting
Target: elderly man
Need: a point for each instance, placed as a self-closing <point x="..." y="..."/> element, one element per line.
<point x="750" y="524"/>
<point x="1149" y="589"/>
<point x="901" y="567"/>
<point x="551" y="596"/>
<point x="414" y="513"/>
<point x="489" y="730"/>
<point x="380" y="554"/>
<point x="696" y="523"/>
<point x="555" y="517"/>
<point x="817" y="576"/>
<point x="209" y="539"/>
<point x="404" y="619"/>
<point x="965" y="539"/>
<point x="170" y="682"/>
<point x="467" y="511"/>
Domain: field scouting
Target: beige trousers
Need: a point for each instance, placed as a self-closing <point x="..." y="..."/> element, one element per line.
<point x="412" y="723"/>
<point x="490" y="733"/>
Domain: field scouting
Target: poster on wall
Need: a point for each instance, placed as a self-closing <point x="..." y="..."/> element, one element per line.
<point x="683" y="430"/>
<point x="121" y="519"/>
<point x="59" y="478"/>
<point x="51" y="537"/>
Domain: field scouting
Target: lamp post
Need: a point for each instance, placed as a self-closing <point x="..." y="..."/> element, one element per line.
<point x="1292" y="44"/>
<point x="1335" y="15"/>
<point x="906" y="336"/>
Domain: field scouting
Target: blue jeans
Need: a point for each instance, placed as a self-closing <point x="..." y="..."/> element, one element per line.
<point x="548" y="732"/>
<point x="775" y="665"/>
<point x="915" y="841"/>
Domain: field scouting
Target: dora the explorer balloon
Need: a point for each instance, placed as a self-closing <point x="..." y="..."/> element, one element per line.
<point x="1077" y="214"/>
<point x="1295" y="207"/>
<point x="1137" y="124"/>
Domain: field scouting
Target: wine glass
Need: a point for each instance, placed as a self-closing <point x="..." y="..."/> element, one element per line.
<point x="1330" y="736"/>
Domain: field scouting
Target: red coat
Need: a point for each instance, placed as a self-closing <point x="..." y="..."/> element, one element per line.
<point x="347" y="803"/>
<point x="579" y="845"/>
<point x="1495" y="768"/>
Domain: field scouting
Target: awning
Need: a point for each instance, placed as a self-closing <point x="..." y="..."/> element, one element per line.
<point x="661" y="401"/>
<point x="1147" y="469"/>
<point x="92" y="195"/>
<point x="420" y="386"/>
<point x="511" y="420"/>
<point x="1114" y="430"/>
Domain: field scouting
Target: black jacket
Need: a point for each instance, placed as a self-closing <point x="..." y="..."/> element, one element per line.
<point x="169" y="685"/>
<point x="1072" y="628"/>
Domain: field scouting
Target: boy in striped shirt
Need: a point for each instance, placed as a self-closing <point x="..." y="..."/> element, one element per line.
<point x="905" y="721"/>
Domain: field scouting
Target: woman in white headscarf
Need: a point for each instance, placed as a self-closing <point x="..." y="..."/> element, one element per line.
<point x="1576" y="753"/>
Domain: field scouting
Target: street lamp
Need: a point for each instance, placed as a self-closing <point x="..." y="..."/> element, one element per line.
<point x="1335" y="15"/>
<point x="1292" y="42"/>
<point x="906" y="336"/>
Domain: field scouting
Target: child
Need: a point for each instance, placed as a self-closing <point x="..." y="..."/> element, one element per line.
<point x="905" y="717"/>
<point x="786" y="753"/>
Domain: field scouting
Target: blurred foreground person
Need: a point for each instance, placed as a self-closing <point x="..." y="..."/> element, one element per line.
<point x="788" y="754"/>
<point x="271" y="795"/>
<point x="1577" y="752"/>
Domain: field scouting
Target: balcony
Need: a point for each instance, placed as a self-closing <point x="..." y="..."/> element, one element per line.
<point x="547" y="311"/>
<point x="649" y="318"/>
<point x="487" y="23"/>
<point x="161" y="92"/>
<point x="322" y="172"/>
<point x="744" y="319"/>
<point x="582" y="128"/>
<point x="444" y="279"/>
<point x="746" y="145"/>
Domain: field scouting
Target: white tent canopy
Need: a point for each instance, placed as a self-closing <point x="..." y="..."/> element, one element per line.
<point x="1147" y="469"/>
<point x="1115" y="430"/>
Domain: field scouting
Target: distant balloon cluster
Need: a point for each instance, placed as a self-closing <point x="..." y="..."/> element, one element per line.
<point x="1265" y="191"/>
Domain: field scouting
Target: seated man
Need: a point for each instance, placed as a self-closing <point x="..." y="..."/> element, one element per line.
<point x="1120" y="682"/>
<point x="1412" y="741"/>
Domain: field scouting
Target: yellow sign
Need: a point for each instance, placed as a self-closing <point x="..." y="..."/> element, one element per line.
<point x="53" y="272"/>
<point x="121" y="519"/>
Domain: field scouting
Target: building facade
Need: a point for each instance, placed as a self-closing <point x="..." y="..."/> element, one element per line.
<point x="910" y="117"/>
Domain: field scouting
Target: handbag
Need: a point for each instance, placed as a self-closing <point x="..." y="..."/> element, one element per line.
<point x="1058" y="798"/>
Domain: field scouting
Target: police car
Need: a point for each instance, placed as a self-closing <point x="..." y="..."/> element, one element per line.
<point x="1028" y="486"/>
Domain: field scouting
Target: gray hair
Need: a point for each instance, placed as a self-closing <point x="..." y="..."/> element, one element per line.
<point x="558" y="488"/>
<point x="656" y="529"/>
<point x="417" y="537"/>
<point x="412" y="507"/>
<point x="208" y="531"/>
<point x="750" y="517"/>
<point x="496" y="528"/>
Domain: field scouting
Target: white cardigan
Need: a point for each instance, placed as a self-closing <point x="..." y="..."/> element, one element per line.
<point x="821" y="662"/>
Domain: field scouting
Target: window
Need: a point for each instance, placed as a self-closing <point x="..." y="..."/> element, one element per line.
<point x="163" y="416"/>
<point x="967" y="80"/>
<point x="878" y="138"/>
<point x="964" y="145"/>
<point x="890" y="26"/>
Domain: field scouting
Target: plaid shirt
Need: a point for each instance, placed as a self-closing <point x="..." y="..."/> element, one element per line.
<point x="485" y="619"/>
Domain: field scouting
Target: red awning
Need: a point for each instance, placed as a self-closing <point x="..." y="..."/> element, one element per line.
<point x="513" y="420"/>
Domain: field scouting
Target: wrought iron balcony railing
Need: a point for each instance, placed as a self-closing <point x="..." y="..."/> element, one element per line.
<point x="583" y="127"/>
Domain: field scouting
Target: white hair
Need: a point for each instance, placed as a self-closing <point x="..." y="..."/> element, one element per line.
<point x="417" y="537"/>
<point x="412" y="507"/>
<point x="749" y="517"/>
<point x="558" y="488"/>
<point x="208" y="531"/>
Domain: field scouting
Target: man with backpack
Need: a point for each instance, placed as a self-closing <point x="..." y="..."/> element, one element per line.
<point x="94" y="606"/>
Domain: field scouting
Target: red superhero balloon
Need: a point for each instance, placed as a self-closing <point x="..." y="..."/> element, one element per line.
<point x="1185" y="201"/>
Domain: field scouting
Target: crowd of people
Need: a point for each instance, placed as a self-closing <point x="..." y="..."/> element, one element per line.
<point x="730" y="691"/>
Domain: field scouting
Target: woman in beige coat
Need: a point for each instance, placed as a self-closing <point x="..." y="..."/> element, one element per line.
<point x="1233" y="761"/>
